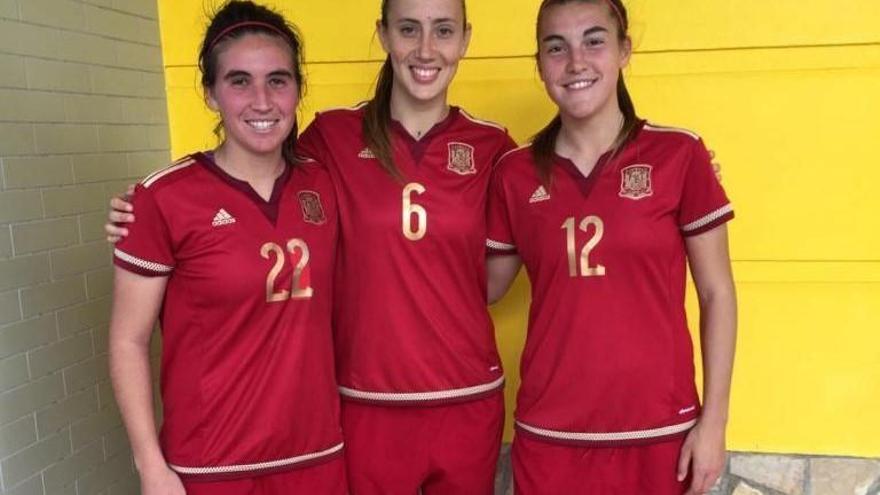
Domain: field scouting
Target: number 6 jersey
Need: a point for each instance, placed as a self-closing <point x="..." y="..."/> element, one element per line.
<point x="247" y="359"/>
<point x="411" y="322"/>
<point x="608" y="356"/>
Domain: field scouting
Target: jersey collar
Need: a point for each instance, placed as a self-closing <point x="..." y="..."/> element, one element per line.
<point x="586" y="183"/>
<point x="269" y="208"/>
<point x="418" y="147"/>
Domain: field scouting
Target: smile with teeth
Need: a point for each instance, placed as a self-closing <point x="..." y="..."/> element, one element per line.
<point x="262" y="125"/>
<point x="424" y="74"/>
<point x="580" y="84"/>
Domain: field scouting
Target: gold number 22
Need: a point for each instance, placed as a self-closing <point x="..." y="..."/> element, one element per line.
<point x="585" y="269"/>
<point x="296" y="291"/>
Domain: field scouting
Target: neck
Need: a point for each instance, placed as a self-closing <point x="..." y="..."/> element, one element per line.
<point x="417" y="116"/>
<point x="584" y="140"/>
<point x="258" y="170"/>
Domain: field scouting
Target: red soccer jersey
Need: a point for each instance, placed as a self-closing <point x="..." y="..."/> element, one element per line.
<point x="608" y="357"/>
<point x="411" y="322"/>
<point x="247" y="356"/>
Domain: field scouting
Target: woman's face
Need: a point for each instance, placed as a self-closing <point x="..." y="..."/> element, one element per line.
<point x="255" y="92"/>
<point x="425" y="40"/>
<point x="580" y="57"/>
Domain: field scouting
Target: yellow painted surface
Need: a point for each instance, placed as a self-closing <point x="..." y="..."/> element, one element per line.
<point x="787" y="93"/>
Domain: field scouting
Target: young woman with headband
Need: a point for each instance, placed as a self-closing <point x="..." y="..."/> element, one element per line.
<point x="418" y="369"/>
<point x="605" y="211"/>
<point x="233" y="252"/>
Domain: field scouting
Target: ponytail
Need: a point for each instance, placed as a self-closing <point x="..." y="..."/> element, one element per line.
<point x="377" y="121"/>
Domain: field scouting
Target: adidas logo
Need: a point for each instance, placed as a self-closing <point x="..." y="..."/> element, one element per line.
<point x="222" y="218"/>
<point x="539" y="195"/>
<point x="366" y="153"/>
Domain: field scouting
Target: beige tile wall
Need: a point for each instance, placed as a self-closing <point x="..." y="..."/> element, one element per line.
<point x="82" y="112"/>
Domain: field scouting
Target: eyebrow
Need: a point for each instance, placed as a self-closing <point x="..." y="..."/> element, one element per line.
<point x="592" y="30"/>
<point x="239" y="73"/>
<point x="435" y="21"/>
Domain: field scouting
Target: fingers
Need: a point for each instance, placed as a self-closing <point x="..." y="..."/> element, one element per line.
<point x="704" y="477"/>
<point x="129" y="191"/>
<point x="114" y="233"/>
<point x="120" y="204"/>
<point x="120" y="217"/>
<point x="684" y="459"/>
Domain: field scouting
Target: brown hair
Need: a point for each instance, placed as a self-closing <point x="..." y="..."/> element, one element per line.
<point x="236" y="18"/>
<point x="377" y="113"/>
<point x="544" y="142"/>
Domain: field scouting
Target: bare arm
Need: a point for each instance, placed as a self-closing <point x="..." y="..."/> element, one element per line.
<point x="121" y="211"/>
<point x="502" y="270"/>
<point x="136" y="302"/>
<point x="710" y="266"/>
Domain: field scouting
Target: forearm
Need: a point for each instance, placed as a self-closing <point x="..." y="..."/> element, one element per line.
<point x="132" y="384"/>
<point x="718" y="342"/>
<point x="502" y="270"/>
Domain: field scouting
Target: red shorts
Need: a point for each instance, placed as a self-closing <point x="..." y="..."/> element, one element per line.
<point x="326" y="478"/>
<point x="441" y="450"/>
<point x="545" y="468"/>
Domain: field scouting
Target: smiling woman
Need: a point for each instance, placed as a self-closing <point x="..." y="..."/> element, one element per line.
<point x="605" y="210"/>
<point x="236" y="246"/>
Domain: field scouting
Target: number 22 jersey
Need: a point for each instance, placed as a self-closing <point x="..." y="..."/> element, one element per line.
<point x="608" y="356"/>
<point x="411" y="325"/>
<point x="247" y="355"/>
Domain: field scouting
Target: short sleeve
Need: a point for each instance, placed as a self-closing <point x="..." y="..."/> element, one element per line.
<point x="147" y="250"/>
<point x="704" y="204"/>
<point x="500" y="235"/>
<point x="507" y="145"/>
<point x="310" y="144"/>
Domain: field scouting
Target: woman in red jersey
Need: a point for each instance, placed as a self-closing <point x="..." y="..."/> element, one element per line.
<point x="417" y="364"/>
<point x="605" y="211"/>
<point x="233" y="252"/>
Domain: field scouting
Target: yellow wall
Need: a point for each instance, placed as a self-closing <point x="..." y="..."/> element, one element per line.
<point x="788" y="95"/>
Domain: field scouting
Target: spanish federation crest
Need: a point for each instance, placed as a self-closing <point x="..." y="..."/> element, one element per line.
<point x="635" y="182"/>
<point x="461" y="159"/>
<point x="312" y="211"/>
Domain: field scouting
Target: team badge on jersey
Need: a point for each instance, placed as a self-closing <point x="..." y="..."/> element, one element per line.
<point x="310" y="202"/>
<point x="635" y="182"/>
<point x="461" y="159"/>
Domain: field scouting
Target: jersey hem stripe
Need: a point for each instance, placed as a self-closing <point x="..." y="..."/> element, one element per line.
<point x="280" y="464"/>
<point x="499" y="246"/>
<point x="422" y="397"/>
<point x="708" y="219"/>
<point x="149" y="266"/>
<point x="618" y="437"/>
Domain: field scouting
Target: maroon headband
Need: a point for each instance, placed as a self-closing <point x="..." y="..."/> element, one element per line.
<point x="240" y="25"/>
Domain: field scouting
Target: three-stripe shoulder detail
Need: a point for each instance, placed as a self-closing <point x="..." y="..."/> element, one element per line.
<point x="174" y="167"/>
<point x="481" y="121"/>
<point x="345" y="109"/>
<point x="657" y="128"/>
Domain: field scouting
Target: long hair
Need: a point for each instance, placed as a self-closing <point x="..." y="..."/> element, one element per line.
<point x="377" y="112"/>
<point x="234" y="19"/>
<point x="544" y="142"/>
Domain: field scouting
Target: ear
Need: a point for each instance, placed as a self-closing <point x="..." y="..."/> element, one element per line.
<point x="467" y="39"/>
<point x="210" y="100"/>
<point x="625" y="52"/>
<point x="383" y="35"/>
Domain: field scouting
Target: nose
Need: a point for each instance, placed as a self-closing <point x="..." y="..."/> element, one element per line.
<point x="426" y="46"/>
<point x="577" y="61"/>
<point x="260" y="97"/>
